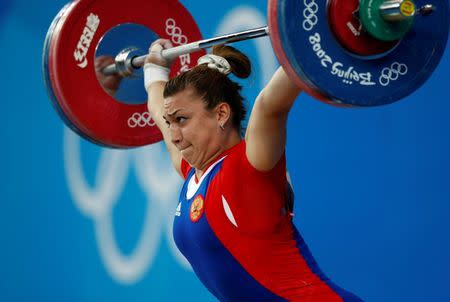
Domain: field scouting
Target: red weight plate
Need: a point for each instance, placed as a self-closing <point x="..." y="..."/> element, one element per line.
<point x="344" y="22"/>
<point x="45" y="59"/>
<point x="72" y="73"/>
<point x="293" y="72"/>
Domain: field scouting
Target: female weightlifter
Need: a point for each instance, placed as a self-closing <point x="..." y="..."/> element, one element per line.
<point x="234" y="222"/>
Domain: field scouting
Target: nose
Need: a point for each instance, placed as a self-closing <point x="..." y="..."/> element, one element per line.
<point x="175" y="134"/>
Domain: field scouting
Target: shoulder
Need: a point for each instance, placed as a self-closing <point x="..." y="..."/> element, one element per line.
<point x="240" y="154"/>
<point x="237" y="162"/>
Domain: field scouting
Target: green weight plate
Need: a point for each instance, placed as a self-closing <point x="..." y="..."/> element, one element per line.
<point x="377" y="26"/>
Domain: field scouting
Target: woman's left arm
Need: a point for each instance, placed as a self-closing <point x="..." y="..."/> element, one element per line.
<point x="266" y="131"/>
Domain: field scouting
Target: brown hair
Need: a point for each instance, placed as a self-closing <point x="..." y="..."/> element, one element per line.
<point x="215" y="87"/>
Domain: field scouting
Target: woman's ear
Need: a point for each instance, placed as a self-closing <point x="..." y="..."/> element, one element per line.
<point x="223" y="111"/>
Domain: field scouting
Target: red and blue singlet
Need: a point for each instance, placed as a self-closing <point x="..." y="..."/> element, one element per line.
<point x="233" y="228"/>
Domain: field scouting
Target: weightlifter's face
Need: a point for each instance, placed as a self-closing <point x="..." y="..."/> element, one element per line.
<point x="193" y="129"/>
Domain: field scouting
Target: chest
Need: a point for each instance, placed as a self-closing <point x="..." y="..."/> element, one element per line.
<point x="192" y="231"/>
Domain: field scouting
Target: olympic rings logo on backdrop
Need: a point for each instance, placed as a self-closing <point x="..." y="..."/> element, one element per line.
<point x="392" y="73"/>
<point x="98" y="202"/>
<point x="310" y="11"/>
<point x="114" y="167"/>
<point x="175" y="32"/>
<point x="141" y="120"/>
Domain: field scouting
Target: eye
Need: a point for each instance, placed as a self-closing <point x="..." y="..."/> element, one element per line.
<point x="167" y="124"/>
<point x="181" y="119"/>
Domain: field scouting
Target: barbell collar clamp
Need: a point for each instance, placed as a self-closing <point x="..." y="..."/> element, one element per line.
<point x="401" y="10"/>
<point x="123" y="61"/>
<point x="394" y="10"/>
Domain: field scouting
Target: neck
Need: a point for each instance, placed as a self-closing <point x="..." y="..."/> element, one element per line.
<point x="232" y="139"/>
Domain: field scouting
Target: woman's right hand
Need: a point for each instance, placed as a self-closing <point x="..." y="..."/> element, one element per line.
<point x="154" y="53"/>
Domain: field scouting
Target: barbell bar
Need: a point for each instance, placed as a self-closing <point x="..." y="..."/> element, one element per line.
<point x="172" y="53"/>
<point x="391" y="11"/>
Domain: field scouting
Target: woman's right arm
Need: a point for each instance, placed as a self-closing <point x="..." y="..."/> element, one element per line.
<point x="155" y="101"/>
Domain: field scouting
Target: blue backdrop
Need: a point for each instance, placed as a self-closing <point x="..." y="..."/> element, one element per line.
<point x="83" y="223"/>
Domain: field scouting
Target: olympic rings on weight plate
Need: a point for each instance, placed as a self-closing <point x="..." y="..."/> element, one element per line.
<point x="310" y="14"/>
<point x="175" y="32"/>
<point x="392" y="73"/>
<point x="141" y="120"/>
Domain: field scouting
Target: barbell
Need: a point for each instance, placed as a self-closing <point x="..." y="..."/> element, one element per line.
<point x="347" y="53"/>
